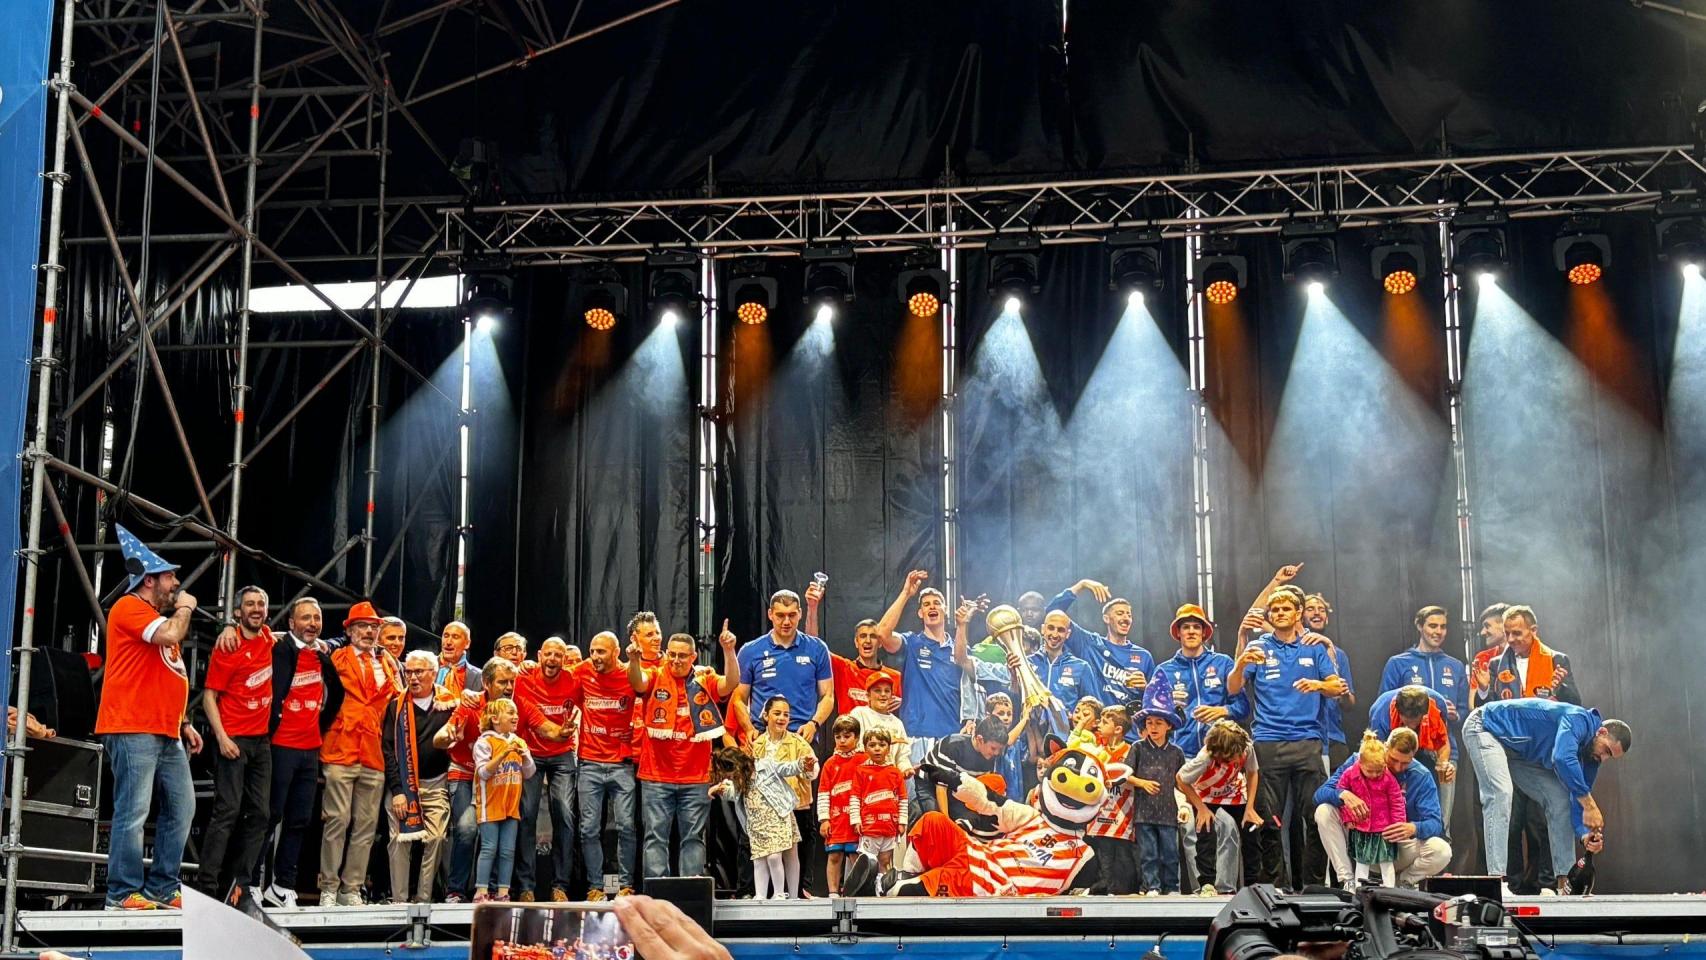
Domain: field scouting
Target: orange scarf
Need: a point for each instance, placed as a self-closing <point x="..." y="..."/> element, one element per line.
<point x="1541" y="668"/>
<point x="1432" y="736"/>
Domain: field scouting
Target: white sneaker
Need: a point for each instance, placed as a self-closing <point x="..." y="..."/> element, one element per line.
<point x="277" y="896"/>
<point x="1152" y="893"/>
<point x="328" y="896"/>
<point x="1505" y="891"/>
<point x="1548" y="892"/>
<point x="351" y="899"/>
<point x="1208" y="891"/>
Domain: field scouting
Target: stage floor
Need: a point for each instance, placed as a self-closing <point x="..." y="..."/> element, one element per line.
<point x="436" y="926"/>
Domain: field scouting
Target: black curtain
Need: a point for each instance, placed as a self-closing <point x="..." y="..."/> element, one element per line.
<point x="1585" y="452"/>
<point x="830" y="454"/>
<point x="1074" y="427"/>
<point x="606" y="493"/>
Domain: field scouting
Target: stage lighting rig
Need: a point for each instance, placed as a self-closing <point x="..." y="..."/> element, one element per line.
<point x="1134" y="262"/>
<point x="1680" y="228"/>
<point x="672" y="283"/>
<point x="1013" y="268"/>
<point x="922" y="287"/>
<point x="604" y="299"/>
<point x="487" y="293"/>
<point x="1480" y="243"/>
<point x="1399" y="261"/>
<point x="829" y="275"/>
<point x="1309" y="250"/>
<point x="1221" y="271"/>
<point x="1581" y="251"/>
<point x="752" y="292"/>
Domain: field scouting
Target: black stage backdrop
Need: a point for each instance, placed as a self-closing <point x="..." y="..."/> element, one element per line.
<point x="1075" y="442"/>
<point x="894" y="92"/>
<point x="830" y="440"/>
<point x="606" y="494"/>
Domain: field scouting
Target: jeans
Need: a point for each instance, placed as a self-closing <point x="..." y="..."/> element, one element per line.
<point x="1226" y="853"/>
<point x="1291" y="773"/>
<point x="1160" y="856"/>
<point x="497" y="854"/>
<point x="295" y="774"/>
<point x="242" y="805"/>
<point x="1415" y="860"/>
<point x="464" y="830"/>
<point x="1500" y="775"/>
<point x="598" y="782"/>
<point x="560" y="771"/>
<point x="143" y="763"/>
<point x="685" y="805"/>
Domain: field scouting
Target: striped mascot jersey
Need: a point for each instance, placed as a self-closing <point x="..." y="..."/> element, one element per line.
<point x="1035" y="860"/>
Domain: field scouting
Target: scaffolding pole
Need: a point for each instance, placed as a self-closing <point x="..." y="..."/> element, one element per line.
<point x="36" y="455"/>
<point x="1459" y="444"/>
<point x="378" y="341"/>
<point x="240" y="391"/>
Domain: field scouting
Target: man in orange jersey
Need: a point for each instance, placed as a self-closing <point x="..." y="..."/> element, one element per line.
<point x="141" y="723"/>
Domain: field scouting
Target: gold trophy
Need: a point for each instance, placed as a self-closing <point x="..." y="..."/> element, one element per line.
<point x="1048" y="714"/>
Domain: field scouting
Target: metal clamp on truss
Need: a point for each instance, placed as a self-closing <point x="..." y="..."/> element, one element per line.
<point x="844" y="910"/>
<point x="419" y="935"/>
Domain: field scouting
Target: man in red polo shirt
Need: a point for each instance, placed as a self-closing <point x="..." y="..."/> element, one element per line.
<point x="601" y="689"/>
<point x="682" y="722"/>
<point x="457" y="737"/>
<point x="852" y="676"/>
<point x="546" y="688"/>
<point x="238" y="704"/>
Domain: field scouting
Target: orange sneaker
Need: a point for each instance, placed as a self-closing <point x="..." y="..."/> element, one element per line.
<point x="135" y="901"/>
<point x="173" y="902"/>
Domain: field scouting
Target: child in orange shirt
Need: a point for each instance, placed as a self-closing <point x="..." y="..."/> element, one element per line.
<point x="834" y="791"/>
<point x="878" y="807"/>
<point x="502" y="762"/>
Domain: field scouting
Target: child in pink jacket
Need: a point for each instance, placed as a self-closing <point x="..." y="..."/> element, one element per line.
<point x="1369" y="781"/>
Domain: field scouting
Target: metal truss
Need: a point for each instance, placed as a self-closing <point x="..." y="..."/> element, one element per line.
<point x="1080" y="211"/>
<point x="262" y="132"/>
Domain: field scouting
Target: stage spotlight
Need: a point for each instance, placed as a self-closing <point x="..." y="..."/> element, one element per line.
<point x="487" y="295"/>
<point x="1309" y="251"/>
<point x="1221" y="271"/>
<point x="1012" y="304"/>
<point x="829" y="275"/>
<point x="1134" y="299"/>
<point x="1691" y="270"/>
<point x="1013" y="268"/>
<point x="1680" y="228"/>
<point x="670" y="317"/>
<point x="1399" y="262"/>
<point x="1134" y="262"/>
<point x="672" y="282"/>
<point x="1315" y="287"/>
<point x="922" y="287"/>
<point x="752" y="292"/>
<point x="604" y="300"/>
<point x="485" y="322"/>
<point x="1581" y="252"/>
<point x="825" y="313"/>
<point x="1479" y="243"/>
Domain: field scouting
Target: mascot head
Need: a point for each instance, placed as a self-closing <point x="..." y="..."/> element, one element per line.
<point x="1076" y="783"/>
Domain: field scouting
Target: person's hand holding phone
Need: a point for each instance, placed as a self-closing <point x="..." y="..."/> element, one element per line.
<point x="660" y="931"/>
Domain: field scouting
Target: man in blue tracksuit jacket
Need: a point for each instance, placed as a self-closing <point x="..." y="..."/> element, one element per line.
<point x="1422" y="849"/>
<point x="1551" y="751"/>
<point x="1122" y="667"/>
<point x="1066" y="676"/>
<point x="1427" y="665"/>
<point x="1192" y="685"/>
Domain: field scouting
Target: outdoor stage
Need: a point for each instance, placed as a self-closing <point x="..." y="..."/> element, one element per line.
<point x="1632" y="927"/>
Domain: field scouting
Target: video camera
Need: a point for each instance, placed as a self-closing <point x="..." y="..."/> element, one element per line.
<point x="1375" y="923"/>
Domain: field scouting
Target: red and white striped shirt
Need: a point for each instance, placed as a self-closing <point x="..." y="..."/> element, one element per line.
<point x="1219" y="781"/>
<point x="1115" y="818"/>
<point x="1034" y="860"/>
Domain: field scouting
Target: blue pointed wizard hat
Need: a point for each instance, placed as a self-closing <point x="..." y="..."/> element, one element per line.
<point x="139" y="561"/>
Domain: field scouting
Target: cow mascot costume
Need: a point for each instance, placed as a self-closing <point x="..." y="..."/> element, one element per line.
<point x="1036" y="849"/>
